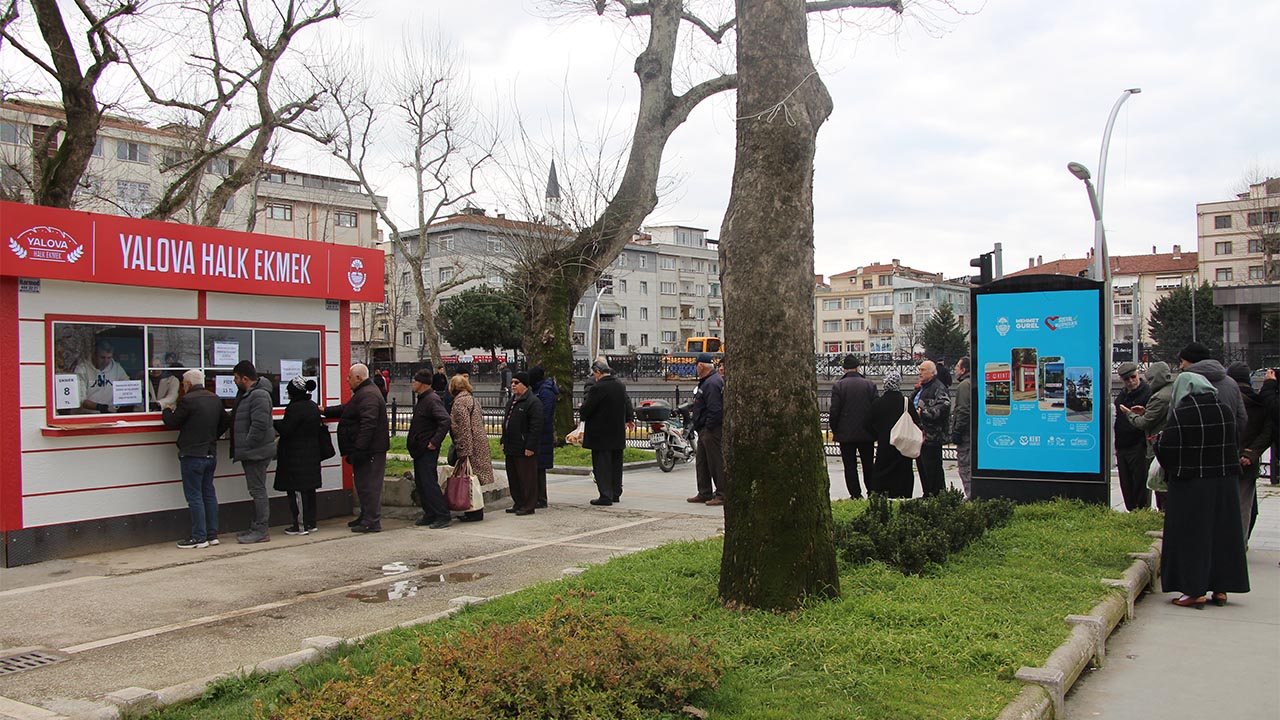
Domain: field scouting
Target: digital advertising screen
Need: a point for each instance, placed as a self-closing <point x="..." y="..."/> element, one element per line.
<point x="1038" y="375"/>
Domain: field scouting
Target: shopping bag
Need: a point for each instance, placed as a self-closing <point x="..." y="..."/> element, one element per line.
<point x="462" y="492"/>
<point x="326" y="443"/>
<point x="906" y="435"/>
<point x="1156" y="477"/>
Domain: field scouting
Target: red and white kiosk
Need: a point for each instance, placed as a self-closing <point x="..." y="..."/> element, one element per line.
<point x="98" y="315"/>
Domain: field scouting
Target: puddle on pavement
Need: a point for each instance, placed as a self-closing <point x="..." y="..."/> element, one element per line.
<point x="409" y="588"/>
<point x="400" y="567"/>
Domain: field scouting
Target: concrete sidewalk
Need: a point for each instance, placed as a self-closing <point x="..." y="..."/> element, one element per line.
<point x="158" y="616"/>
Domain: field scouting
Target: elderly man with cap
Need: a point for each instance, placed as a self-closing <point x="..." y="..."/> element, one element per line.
<point x="708" y="422"/>
<point x="607" y="414"/>
<point x="851" y="399"/>
<point x="1130" y="441"/>
<point x="521" y="435"/>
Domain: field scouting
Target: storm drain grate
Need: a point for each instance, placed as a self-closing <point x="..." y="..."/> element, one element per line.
<point x="31" y="660"/>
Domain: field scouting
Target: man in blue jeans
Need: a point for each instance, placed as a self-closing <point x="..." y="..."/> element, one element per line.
<point x="200" y="419"/>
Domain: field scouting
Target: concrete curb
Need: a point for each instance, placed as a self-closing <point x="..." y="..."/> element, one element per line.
<point x="1044" y="696"/>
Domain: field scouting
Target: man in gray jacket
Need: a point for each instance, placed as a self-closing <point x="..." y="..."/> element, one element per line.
<point x="962" y="425"/>
<point x="253" y="444"/>
<point x="200" y="420"/>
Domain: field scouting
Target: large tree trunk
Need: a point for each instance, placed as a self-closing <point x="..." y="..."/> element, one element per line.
<point x="778" y="546"/>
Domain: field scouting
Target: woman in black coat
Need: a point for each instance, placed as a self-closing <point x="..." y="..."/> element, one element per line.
<point x="891" y="473"/>
<point x="298" y="455"/>
<point x="1203" y="542"/>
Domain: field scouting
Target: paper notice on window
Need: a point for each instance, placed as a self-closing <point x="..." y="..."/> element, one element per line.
<point x="66" y="392"/>
<point x="225" y="386"/>
<point x="126" y="392"/>
<point x="226" y="354"/>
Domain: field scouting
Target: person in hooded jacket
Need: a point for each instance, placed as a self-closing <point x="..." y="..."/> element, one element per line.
<point x="547" y="391"/>
<point x="1151" y="418"/>
<point x="253" y="444"/>
<point x="1203" y="545"/>
<point x="891" y="473"/>
<point x="1195" y="358"/>
<point x="298" y="454"/>
<point x="1255" y="414"/>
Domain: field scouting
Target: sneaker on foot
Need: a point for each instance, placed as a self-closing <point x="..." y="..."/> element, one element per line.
<point x="295" y="530"/>
<point x="441" y="524"/>
<point x="312" y="528"/>
<point x="250" y="538"/>
<point x="214" y="540"/>
<point x="191" y="542"/>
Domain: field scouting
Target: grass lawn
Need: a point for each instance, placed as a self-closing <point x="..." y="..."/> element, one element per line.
<point x="566" y="456"/>
<point x="944" y="645"/>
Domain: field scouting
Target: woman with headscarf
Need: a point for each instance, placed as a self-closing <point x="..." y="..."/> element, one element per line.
<point x="298" y="455"/>
<point x="1203" y="543"/>
<point x="891" y="473"/>
<point x="469" y="436"/>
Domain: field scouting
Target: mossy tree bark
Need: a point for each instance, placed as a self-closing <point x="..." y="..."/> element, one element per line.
<point x="778" y="547"/>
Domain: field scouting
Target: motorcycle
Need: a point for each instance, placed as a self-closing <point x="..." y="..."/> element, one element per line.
<point x="670" y="435"/>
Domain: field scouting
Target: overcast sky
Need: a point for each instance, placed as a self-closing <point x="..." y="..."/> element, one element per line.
<point x="941" y="143"/>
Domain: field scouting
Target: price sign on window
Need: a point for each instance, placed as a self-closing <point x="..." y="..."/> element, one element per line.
<point x="66" y="392"/>
<point x="226" y="354"/>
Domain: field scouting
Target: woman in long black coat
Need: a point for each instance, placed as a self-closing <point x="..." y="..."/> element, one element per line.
<point x="891" y="473"/>
<point x="298" y="455"/>
<point x="1203" y="542"/>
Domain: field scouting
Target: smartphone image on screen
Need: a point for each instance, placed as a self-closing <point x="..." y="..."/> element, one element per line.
<point x="996" y="388"/>
<point x="1050" y="383"/>
<point x="1023" y="377"/>
<point x="1079" y="394"/>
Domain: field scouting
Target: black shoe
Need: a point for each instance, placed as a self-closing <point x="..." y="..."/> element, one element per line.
<point x="542" y="505"/>
<point x="602" y="501"/>
<point x="357" y="521"/>
<point x="510" y="509"/>
<point x="441" y="524"/>
<point x="423" y="521"/>
<point x="471" y="518"/>
<point x="524" y="512"/>
<point x="295" y="530"/>
<point x="366" y="529"/>
<point x="618" y="499"/>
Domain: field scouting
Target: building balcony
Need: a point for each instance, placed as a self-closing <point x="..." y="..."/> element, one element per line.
<point x="688" y="323"/>
<point x="880" y="331"/>
<point x="880" y="309"/>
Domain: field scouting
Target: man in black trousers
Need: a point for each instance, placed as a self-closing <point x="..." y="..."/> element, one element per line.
<point x="607" y="414"/>
<point x="427" y="430"/>
<point x="851" y="399"/>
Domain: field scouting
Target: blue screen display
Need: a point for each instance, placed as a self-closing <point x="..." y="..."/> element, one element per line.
<point x="1039" y="384"/>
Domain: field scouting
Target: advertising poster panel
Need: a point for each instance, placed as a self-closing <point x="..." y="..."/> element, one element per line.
<point x="1038" y="430"/>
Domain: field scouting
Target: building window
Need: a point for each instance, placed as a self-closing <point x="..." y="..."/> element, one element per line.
<point x="830" y="326"/>
<point x="446" y="274"/>
<point x="624" y="316"/>
<point x="644" y="261"/>
<point x="906" y="296"/>
<point x="644" y="286"/>
<point x="444" y="243"/>
<point x="644" y="315"/>
<point x="904" y="319"/>
<point x="279" y="211"/>
<point x="495" y="244"/>
<point x="1255" y="245"/>
<point x="885" y="280"/>
<point x="344" y="218"/>
<point x="1257" y="272"/>
<point x="1222" y="248"/>
<point x="132" y="196"/>
<point x="667" y="288"/>
<point x="1221" y="222"/>
<point x="606" y="338"/>
<point x="133" y="152"/>
<point x="1223" y="275"/>
<point x="622" y="339"/>
<point x="714" y="290"/>
<point x="831" y="347"/>
<point x="580" y="311"/>
<point x="406" y="307"/>
<point x="644" y="339"/>
<point x="854" y="325"/>
<point x="275" y="177"/>
<point x="622" y="262"/>
<point x="404" y="278"/>
<point x="856" y="346"/>
<point x="668" y="336"/>
<point x="97" y="148"/>
<point x="222" y="166"/>
<point x="622" y="286"/>
<point x="666" y="262"/>
<point x="881" y="300"/>
<point x="1123" y="307"/>
<point x="408" y="338"/>
<point x="14" y="134"/>
<point x="853" y="303"/>
<point x="669" y="313"/>
<point x="701" y="313"/>
<point x="830" y="304"/>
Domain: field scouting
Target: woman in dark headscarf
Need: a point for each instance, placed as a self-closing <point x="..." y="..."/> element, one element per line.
<point x="1203" y="543"/>
<point x="891" y="473"/>
<point x="298" y="455"/>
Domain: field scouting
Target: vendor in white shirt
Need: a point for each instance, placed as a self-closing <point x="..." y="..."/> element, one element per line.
<point x="98" y="377"/>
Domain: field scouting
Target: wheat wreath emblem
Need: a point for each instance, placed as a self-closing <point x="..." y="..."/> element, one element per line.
<point x="17" y="249"/>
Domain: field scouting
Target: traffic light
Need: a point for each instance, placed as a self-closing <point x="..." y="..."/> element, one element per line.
<point x="983" y="263"/>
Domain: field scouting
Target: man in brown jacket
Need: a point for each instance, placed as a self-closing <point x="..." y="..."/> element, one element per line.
<point x="363" y="439"/>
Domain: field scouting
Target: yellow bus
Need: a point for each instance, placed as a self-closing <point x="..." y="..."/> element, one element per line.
<point x="703" y="344"/>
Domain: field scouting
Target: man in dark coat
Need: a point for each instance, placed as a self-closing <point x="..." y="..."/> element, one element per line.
<point x="851" y="399"/>
<point x="1195" y="358"/>
<point x="521" y="434"/>
<point x="200" y="420"/>
<point x="931" y="409"/>
<point x="253" y="444"/>
<point x="547" y="391"/>
<point x="607" y="413"/>
<point x="1131" y="442"/>
<point x="708" y="422"/>
<point x="427" y="430"/>
<point x="363" y="439"/>
<point x="961" y="425"/>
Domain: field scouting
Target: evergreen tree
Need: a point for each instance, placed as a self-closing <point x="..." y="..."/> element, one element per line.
<point x="1171" y="318"/>
<point x="944" y="337"/>
<point x="481" y="317"/>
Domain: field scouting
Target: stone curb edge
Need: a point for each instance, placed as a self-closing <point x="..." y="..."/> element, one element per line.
<point x="1044" y="695"/>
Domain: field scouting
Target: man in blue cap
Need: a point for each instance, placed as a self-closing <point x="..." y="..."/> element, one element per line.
<point x="708" y="421"/>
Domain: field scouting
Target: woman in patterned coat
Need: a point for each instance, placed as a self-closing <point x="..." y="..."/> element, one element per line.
<point x="469" y="436"/>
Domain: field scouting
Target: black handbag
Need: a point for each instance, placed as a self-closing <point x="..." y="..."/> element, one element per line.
<point x="326" y="443"/>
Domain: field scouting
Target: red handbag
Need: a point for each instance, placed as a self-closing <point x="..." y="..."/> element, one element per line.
<point x="458" y="489"/>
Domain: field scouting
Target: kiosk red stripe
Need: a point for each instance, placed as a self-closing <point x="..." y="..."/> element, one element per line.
<point x="10" y="412"/>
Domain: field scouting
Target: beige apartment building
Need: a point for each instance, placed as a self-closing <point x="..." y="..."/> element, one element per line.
<point x="879" y="311"/>
<point x="133" y="163"/>
<point x="1138" y="282"/>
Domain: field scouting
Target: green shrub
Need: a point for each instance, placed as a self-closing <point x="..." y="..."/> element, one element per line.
<point x="920" y="532"/>
<point x="566" y="663"/>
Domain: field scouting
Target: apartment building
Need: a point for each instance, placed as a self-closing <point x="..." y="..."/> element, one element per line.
<point x="879" y="310"/>
<point x="133" y="163"/>
<point x="1138" y="282"/>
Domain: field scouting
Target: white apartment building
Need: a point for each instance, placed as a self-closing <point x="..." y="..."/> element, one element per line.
<point x="879" y="311"/>
<point x="133" y="163"/>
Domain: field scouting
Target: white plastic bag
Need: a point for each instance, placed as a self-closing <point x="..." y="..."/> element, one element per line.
<point x="906" y="435"/>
